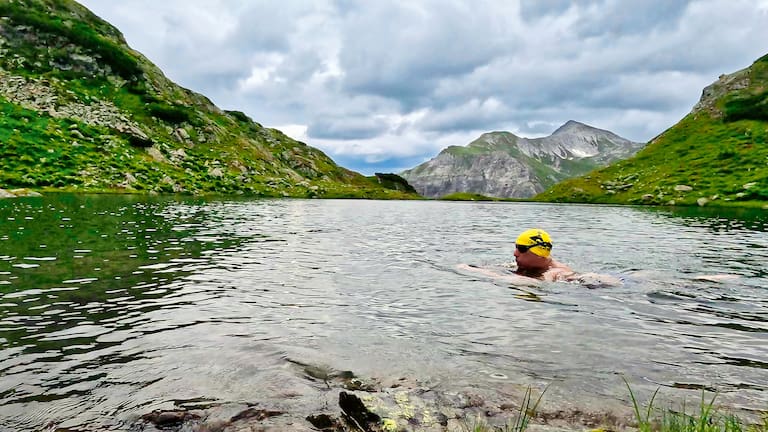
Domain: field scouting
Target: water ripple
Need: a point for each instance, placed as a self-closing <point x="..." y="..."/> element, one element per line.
<point x="156" y="302"/>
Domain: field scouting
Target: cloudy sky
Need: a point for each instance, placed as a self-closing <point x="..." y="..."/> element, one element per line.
<point x="382" y="86"/>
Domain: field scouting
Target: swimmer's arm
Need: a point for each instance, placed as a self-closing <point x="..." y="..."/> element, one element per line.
<point x="480" y="270"/>
<point x="498" y="276"/>
<point x="558" y="274"/>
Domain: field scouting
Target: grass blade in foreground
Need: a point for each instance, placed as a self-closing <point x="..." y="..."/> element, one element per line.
<point x="708" y="419"/>
<point x="519" y="424"/>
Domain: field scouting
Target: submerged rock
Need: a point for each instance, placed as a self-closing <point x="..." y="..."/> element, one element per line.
<point x="169" y="419"/>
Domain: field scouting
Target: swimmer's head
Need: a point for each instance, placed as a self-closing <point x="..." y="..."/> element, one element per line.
<point x="536" y="241"/>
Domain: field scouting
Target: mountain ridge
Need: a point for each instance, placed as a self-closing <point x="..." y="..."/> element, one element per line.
<point x="501" y="164"/>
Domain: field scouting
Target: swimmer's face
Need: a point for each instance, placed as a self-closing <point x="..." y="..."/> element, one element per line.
<point x="530" y="261"/>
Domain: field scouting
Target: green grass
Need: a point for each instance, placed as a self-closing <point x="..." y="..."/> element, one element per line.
<point x="716" y="158"/>
<point x="48" y="153"/>
<point x="706" y="419"/>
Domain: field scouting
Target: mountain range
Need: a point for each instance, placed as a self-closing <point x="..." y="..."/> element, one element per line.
<point x="503" y="165"/>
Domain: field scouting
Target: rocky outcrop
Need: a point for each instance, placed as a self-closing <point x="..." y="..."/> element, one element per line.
<point x="725" y="84"/>
<point x="500" y="164"/>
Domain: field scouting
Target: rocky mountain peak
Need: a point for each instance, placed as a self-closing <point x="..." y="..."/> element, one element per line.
<point x="571" y="126"/>
<point x="501" y="164"/>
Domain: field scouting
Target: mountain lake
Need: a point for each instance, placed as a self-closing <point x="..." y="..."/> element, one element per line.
<point x="115" y="306"/>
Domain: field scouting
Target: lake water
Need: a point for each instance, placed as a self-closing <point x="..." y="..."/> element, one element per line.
<point x="112" y="306"/>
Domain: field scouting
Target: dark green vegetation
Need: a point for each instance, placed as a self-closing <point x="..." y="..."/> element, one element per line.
<point x="716" y="155"/>
<point x="394" y="182"/>
<point x="467" y="196"/>
<point x="83" y="112"/>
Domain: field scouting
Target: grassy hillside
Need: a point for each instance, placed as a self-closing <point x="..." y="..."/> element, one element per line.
<point x="716" y="155"/>
<point x="81" y="111"/>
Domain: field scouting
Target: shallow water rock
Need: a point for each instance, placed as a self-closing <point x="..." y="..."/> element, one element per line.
<point x="325" y="422"/>
<point x="169" y="419"/>
<point x="353" y="409"/>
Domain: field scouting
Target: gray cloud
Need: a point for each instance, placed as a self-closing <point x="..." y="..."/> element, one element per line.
<point x="347" y="128"/>
<point x="402" y="49"/>
<point x="373" y="83"/>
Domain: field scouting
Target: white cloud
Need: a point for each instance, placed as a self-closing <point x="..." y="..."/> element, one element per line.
<point x="264" y="71"/>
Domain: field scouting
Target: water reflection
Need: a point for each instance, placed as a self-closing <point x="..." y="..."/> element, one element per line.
<point x="113" y="306"/>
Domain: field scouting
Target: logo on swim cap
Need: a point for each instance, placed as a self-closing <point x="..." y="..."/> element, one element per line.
<point x="537" y="240"/>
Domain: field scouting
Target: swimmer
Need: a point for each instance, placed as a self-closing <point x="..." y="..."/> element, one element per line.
<point x="533" y="249"/>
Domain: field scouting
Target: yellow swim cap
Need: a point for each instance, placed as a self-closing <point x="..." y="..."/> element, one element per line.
<point x="537" y="240"/>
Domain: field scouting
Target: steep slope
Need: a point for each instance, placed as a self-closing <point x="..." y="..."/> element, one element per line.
<point x="716" y="155"/>
<point x="500" y="164"/>
<point x="82" y="111"/>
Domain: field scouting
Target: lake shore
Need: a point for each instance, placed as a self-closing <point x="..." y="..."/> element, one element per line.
<point x="353" y="404"/>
